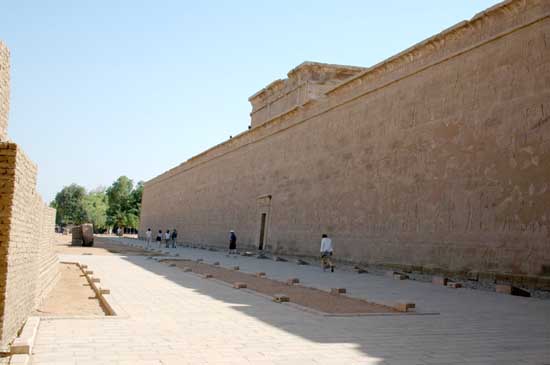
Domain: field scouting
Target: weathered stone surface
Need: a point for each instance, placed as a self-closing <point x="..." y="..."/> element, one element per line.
<point x="28" y="263"/>
<point x="337" y="291"/>
<point x="405" y="306"/>
<point x="512" y="290"/>
<point x="454" y="285"/>
<point x="239" y="285"/>
<point x="438" y="155"/>
<point x="438" y="280"/>
<point x="293" y="281"/>
<point x="280" y="298"/>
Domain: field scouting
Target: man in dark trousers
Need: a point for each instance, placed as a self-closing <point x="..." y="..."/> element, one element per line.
<point x="232" y="242"/>
<point x="174" y="238"/>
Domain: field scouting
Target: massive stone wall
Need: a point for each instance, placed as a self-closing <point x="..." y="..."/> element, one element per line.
<point x="28" y="263"/>
<point x="438" y="156"/>
<point x="4" y="90"/>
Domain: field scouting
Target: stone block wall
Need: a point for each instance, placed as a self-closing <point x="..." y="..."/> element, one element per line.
<point x="28" y="263"/>
<point x="436" y="157"/>
<point x="4" y="90"/>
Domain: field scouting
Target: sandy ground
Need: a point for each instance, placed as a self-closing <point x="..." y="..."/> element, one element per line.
<point x="71" y="295"/>
<point x="305" y="296"/>
<point x="101" y="247"/>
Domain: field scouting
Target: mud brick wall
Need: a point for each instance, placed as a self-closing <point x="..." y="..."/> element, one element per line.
<point x="28" y="264"/>
<point x="4" y="90"/>
<point x="438" y="157"/>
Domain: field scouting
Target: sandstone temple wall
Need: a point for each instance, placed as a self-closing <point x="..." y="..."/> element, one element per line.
<point x="28" y="263"/>
<point x="437" y="157"/>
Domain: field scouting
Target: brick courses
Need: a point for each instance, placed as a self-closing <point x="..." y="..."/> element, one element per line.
<point x="28" y="264"/>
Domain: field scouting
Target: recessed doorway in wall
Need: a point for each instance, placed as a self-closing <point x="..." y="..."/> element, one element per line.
<point x="262" y="231"/>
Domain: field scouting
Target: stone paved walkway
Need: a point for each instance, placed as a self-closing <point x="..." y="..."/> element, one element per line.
<point x="172" y="317"/>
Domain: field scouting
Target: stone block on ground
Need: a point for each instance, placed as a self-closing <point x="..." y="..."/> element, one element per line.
<point x="246" y="253"/>
<point x="400" y="277"/>
<point x="511" y="290"/>
<point x="208" y="276"/>
<point x="95" y="280"/>
<point x="236" y="268"/>
<point x="187" y="269"/>
<point x="360" y="270"/>
<point x="280" y="298"/>
<point x="260" y="274"/>
<point x="439" y="280"/>
<point x="172" y="265"/>
<point x="24" y="343"/>
<point x="454" y="285"/>
<point x="292" y="281"/>
<point x="280" y="259"/>
<point x="473" y="275"/>
<point x="88" y="272"/>
<point x="302" y="262"/>
<point x="20" y="359"/>
<point x="239" y="285"/>
<point x="212" y="249"/>
<point x="390" y="273"/>
<point x="262" y="255"/>
<point x="404" y="306"/>
<point x="337" y="291"/>
<point x="199" y="260"/>
<point x="216" y="263"/>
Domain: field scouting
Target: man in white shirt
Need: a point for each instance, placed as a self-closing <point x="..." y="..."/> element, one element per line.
<point x="167" y="237"/>
<point x="326" y="253"/>
<point x="148" y="236"/>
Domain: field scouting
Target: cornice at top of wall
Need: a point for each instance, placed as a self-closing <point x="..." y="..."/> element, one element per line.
<point x="312" y="108"/>
<point x="436" y="42"/>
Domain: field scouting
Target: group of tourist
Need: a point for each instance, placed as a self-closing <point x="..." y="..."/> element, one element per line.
<point x="171" y="237"/>
<point x="168" y="237"/>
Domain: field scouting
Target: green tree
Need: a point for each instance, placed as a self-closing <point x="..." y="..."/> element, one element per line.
<point x="124" y="203"/>
<point x="69" y="203"/>
<point x="95" y="205"/>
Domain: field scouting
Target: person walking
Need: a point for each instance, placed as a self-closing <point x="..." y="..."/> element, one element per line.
<point x="148" y="236"/>
<point x="159" y="238"/>
<point x="174" y="238"/>
<point x="167" y="237"/>
<point x="326" y="253"/>
<point x="232" y="242"/>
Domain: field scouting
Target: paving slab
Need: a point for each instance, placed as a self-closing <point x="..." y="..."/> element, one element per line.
<point x="176" y="317"/>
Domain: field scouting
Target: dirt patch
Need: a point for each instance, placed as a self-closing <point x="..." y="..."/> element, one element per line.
<point x="102" y="247"/>
<point x="304" y="296"/>
<point x="72" y="295"/>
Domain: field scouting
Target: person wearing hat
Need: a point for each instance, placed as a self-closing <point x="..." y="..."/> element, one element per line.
<point x="232" y="242"/>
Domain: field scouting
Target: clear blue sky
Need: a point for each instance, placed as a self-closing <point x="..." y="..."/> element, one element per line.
<point x="107" y="88"/>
